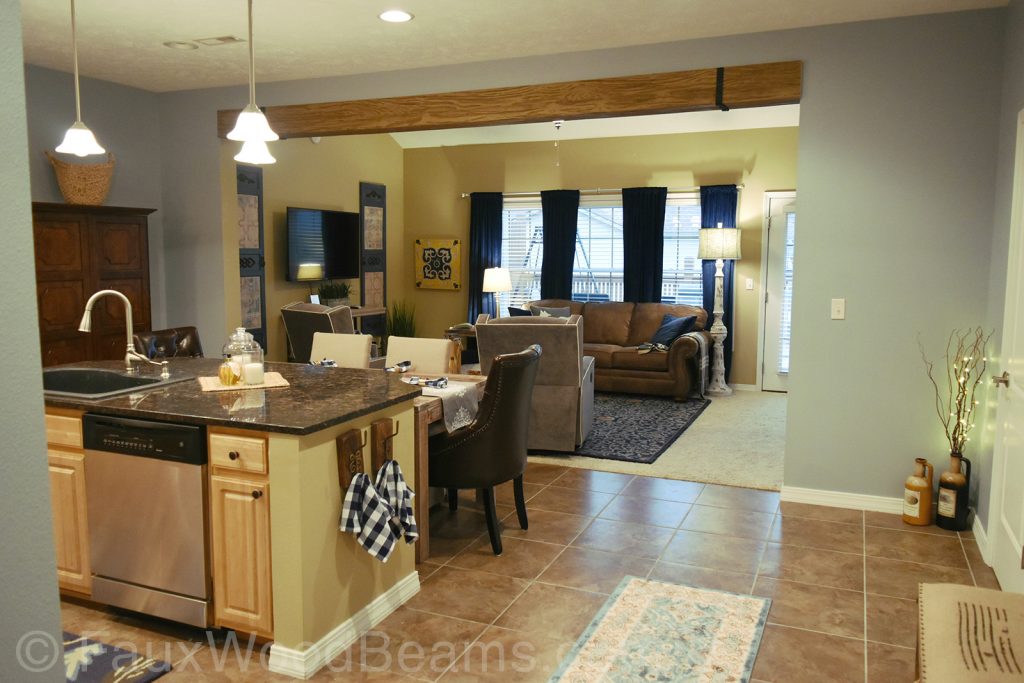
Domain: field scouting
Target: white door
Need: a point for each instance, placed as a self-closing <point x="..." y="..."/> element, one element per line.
<point x="1006" y="518"/>
<point x="778" y="290"/>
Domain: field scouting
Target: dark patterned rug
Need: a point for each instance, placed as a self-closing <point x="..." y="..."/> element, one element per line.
<point x="637" y="428"/>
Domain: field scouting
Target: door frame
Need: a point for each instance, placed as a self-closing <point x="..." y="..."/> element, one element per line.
<point x="990" y="547"/>
<point x="763" y="284"/>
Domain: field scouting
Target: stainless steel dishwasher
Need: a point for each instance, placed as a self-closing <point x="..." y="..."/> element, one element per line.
<point x="147" y="503"/>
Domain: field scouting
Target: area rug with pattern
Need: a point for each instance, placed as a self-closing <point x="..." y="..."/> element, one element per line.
<point x="637" y="428"/>
<point x="656" y="631"/>
<point x="89" y="661"/>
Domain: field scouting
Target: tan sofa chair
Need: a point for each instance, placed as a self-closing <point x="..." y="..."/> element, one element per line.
<point x="613" y="331"/>
<point x="562" y="409"/>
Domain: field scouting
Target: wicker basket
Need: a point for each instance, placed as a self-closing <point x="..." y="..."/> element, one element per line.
<point x="83" y="183"/>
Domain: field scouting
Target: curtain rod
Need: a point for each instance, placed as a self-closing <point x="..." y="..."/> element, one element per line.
<point x="671" y="190"/>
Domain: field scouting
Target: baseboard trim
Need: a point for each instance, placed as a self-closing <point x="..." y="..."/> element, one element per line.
<point x="745" y="387"/>
<point x="304" y="663"/>
<point x="981" y="538"/>
<point x="841" y="499"/>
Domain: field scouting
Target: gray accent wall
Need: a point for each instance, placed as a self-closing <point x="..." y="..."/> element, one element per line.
<point x="896" y="170"/>
<point x="126" y="122"/>
<point x="28" y="599"/>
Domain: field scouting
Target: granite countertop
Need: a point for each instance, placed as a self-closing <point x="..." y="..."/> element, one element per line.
<point x="317" y="397"/>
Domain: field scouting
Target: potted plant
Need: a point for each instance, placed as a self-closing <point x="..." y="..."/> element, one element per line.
<point x="334" y="293"/>
<point x="401" y="321"/>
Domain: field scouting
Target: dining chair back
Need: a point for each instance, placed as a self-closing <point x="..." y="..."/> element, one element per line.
<point x="302" y="320"/>
<point x="347" y="350"/>
<point x="428" y="356"/>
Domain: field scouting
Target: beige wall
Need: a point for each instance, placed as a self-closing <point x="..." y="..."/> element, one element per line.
<point x="323" y="176"/>
<point x="760" y="160"/>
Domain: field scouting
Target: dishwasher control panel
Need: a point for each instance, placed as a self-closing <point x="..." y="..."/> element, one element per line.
<point x="145" y="438"/>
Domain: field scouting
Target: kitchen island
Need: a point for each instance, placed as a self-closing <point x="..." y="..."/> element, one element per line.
<point x="279" y="566"/>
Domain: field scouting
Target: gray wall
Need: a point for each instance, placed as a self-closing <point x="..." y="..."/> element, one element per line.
<point x="126" y="122"/>
<point x="897" y="144"/>
<point x="1012" y="103"/>
<point x="28" y="599"/>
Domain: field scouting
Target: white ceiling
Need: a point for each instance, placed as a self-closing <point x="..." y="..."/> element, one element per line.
<point x="122" y="40"/>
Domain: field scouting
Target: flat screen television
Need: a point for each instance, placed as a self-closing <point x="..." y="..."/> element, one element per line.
<point x="322" y="245"/>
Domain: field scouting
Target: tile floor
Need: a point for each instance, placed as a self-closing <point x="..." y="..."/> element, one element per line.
<point x="842" y="582"/>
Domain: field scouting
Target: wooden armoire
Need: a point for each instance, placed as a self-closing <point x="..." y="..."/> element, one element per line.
<point x="80" y="250"/>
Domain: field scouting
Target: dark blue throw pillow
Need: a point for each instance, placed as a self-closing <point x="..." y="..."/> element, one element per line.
<point x="672" y="327"/>
<point x="514" y="312"/>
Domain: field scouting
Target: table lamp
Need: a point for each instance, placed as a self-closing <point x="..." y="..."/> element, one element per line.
<point x="719" y="244"/>
<point x="497" y="280"/>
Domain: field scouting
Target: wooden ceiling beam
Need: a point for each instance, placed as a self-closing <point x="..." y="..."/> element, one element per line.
<point x="756" y="85"/>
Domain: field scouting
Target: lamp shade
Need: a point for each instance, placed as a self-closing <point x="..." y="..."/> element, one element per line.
<point x="497" y="280"/>
<point x="255" y="152"/>
<point x="719" y="243"/>
<point x="309" y="271"/>
<point x="252" y="125"/>
<point x="80" y="141"/>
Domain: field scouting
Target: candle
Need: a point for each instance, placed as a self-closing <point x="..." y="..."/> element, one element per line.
<point x="253" y="373"/>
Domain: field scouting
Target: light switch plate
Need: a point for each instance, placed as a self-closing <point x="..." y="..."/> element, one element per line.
<point x="839" y="309"/>
<point x="750" y="283"/>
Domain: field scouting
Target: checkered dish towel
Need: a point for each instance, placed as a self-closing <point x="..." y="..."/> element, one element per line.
<point x="702" y="361"/>
<point x="368" y="516"/>
<point x="392" y="488"/>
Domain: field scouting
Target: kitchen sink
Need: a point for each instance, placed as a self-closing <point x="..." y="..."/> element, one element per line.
<point x="94" y="383"/>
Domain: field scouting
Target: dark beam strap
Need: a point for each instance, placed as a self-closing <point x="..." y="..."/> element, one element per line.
<point x="755" y="85"/>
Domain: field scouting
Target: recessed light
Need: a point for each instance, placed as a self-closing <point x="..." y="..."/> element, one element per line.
<point x="181" y="45"/>
<point x="396" y="16"/>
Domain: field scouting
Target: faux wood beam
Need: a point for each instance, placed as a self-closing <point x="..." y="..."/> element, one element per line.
<point x="755" y="85"/>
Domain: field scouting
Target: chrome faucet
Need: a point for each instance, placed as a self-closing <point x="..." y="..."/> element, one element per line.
<point x="130" y="353"/>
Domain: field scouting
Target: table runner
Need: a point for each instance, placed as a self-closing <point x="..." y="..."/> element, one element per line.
<point x="460" y="402"/>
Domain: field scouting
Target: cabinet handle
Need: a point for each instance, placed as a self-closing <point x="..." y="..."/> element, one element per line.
<point x="257" y="494"/>
<point x="233" y="455"/>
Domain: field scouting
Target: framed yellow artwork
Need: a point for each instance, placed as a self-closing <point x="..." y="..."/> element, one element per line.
<point x="438" y="263"/>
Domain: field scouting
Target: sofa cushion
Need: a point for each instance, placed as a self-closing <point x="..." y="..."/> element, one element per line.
<point x="602" y="353"/>
<point x="550" y="311"/>
<point x="672" y="327"/>
<point x="608" y="323"/>
<point x="575" y="307"/>
<point x="628" y="359"/>
<point x="647" y="319"/>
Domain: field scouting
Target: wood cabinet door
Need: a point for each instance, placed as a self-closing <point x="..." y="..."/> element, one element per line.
<point x="240" y="536"/>
<point x="70" y="523"/>
<point x="62" y="269"/>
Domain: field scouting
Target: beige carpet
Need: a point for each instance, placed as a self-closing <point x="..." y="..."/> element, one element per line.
<point x="738" y="440"/>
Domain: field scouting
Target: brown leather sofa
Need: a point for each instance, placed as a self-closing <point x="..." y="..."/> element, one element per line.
<point x="174" y="342"/>
<point x="612" y="332"/>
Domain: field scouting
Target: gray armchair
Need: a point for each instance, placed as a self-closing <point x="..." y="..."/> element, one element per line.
<point x="562" y="409"/>
<point x="301" y="320"/>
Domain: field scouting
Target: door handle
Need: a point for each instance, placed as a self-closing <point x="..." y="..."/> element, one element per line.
<point x="1002" y="380"/>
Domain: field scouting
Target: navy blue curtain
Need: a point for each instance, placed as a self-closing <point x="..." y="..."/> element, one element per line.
<point x="643" y="242"/>
<point x="484" y="248"/>
<point x="718" y="205"/>
<point x="560" y="210"/>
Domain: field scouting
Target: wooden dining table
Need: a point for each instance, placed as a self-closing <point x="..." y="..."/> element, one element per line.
<point x="428" y="410"/>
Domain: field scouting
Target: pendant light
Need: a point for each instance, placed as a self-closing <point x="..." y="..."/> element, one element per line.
<point x="252" y="127"/>
<point x="79" y="140"/>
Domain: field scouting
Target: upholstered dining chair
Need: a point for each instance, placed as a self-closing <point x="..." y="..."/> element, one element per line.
<point x="347" y="350"/>
<point x="302" y="320"/>
<point x="428" y="356"/>
<point x="174" y="342"/>
<point x="492" y="449"/>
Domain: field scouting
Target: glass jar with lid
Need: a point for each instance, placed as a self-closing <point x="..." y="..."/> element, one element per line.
<point x="243" y="359"/>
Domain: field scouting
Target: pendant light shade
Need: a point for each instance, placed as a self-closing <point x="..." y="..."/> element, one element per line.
<point x="252" y="125"/>
<point x="252" y="128"/>
<point x="255" y="152"/>
<point x="79" y="140"/>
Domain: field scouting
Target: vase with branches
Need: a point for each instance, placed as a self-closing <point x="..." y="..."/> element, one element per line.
<point x="956" y="384"/>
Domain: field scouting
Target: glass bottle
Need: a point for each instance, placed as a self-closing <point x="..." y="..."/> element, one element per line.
<point x="243" y="358"/>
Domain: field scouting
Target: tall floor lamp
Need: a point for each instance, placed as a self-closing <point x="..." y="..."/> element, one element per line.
<point x="719" y="244"/>
<point x="497" y="280"/>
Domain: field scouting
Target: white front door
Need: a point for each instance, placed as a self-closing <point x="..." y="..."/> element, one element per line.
<point x="1006" y="517"/>
<point x="778" y="290"/>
